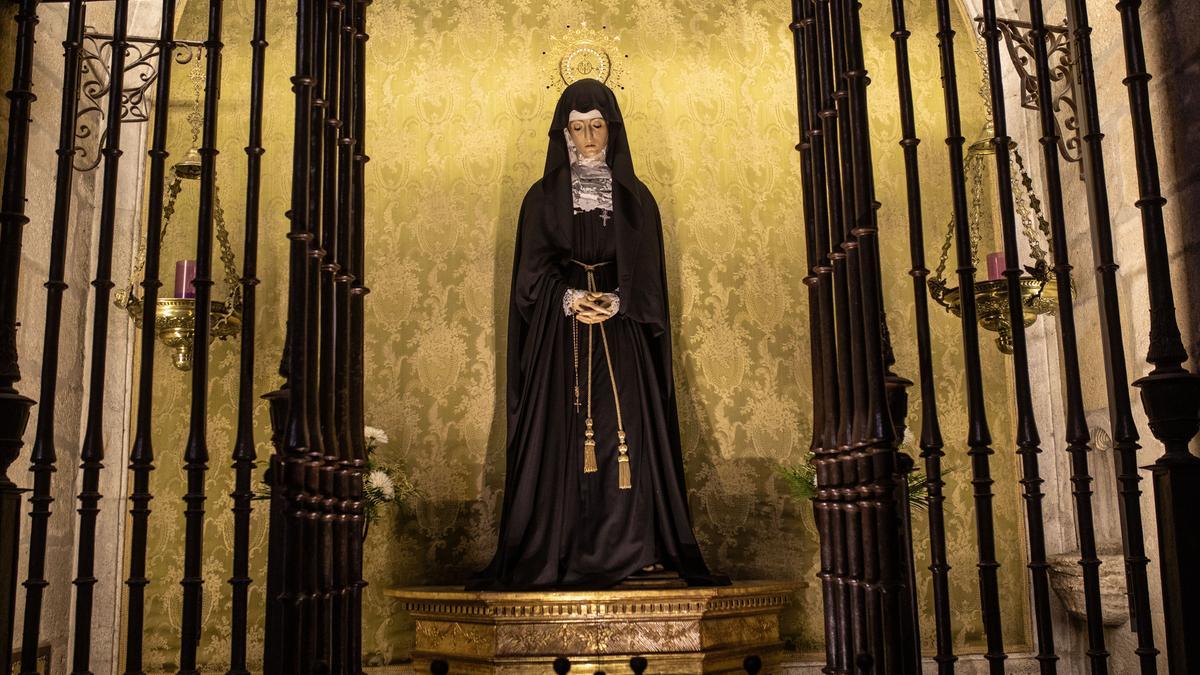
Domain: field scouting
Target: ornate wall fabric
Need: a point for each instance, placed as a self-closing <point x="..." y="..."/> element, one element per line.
<point x="459" y="109"/>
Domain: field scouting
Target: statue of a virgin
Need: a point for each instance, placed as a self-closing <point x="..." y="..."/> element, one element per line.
<point x="594" y="490"/>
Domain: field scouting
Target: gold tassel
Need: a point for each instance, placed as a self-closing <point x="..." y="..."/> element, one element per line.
<point x="589" y="449"/>
<point x="624" y="479"/>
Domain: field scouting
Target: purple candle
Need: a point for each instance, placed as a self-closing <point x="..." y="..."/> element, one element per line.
<point x="995" y="266"/>
<point x="185" y="273"/>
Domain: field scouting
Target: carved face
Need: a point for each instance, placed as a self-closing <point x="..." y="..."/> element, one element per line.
<point x="589" y="136"/>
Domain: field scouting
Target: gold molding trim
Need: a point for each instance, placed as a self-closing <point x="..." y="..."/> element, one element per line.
<point x="678" y="630"/>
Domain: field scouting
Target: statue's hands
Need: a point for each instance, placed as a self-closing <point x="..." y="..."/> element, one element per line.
<point x="593" y="307"/>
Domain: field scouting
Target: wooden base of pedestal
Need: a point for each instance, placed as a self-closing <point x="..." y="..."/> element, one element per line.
<point x="678" y="631"/>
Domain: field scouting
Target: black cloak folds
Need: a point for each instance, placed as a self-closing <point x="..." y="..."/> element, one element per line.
<point x="561" y="527"/>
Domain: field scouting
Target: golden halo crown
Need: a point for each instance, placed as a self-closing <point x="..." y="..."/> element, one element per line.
<point x="583" y="52"/>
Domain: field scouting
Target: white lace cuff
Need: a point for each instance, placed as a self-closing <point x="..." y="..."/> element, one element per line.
<point x="569" y="298"/>
<point x="573" y="294"/>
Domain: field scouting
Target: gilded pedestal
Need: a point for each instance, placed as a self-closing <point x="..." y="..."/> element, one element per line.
<point x="678" y="631"/>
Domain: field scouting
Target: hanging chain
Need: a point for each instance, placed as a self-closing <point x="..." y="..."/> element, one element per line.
<point x="1025" y="202"/>
<point x="196" y="115"/>
<point x="195" y="118"/>
<point x="1034" y="211"/>
<point x="1041" y="270"/>
<point x="937" y="284"/>
<point x="975" y="170"/>
<point x="985" y="91"/>
<point x="233" y="302"/>
<point x="126" y="295"/>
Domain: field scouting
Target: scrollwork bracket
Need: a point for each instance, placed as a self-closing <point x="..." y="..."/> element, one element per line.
<point x="1018" y="40"/>
<point x="141" y="72"/>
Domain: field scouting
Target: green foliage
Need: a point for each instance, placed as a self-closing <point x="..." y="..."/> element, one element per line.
<point x="801" y="478"/>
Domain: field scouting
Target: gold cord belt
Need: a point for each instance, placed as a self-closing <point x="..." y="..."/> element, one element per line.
<point x="624" y="479"/>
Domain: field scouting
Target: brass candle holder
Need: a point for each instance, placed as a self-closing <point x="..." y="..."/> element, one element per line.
<point x="175" y="318"/>
<point x="175" y="325"/>
<point x="1037" y="286"/>
<point x="991" y="301"/>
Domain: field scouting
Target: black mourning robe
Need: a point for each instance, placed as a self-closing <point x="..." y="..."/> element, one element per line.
<point x="561" y="527"/>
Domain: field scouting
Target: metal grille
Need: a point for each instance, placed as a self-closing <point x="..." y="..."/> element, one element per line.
<point x="315" y="548"/>
<point x="860" y="405"/>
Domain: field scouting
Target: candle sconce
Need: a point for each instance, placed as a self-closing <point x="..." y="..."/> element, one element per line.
<point x="175" y="317"/>
<point x="1038" y="287"/>
<point x="1039" y="290"/>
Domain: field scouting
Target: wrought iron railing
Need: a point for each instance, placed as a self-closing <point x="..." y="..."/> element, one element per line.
<point x="862" y="531"/>
<point x="315" y="599"/>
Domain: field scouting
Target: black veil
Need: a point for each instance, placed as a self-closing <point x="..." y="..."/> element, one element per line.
<point x="535" y="326"/>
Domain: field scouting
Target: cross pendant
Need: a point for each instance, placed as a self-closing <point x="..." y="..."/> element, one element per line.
<point x="604" y="216"/>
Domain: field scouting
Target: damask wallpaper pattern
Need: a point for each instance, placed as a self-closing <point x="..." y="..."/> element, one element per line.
<point x="459" y="110"/>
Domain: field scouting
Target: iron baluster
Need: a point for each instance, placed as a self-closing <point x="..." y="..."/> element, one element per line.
<point x="861" y="536"/>
<point x="931" y="434"/>
<point x="196" y="451"/>
<point x="835" y="420"/>
<point x="359" y="291"/>
<point x="1028" y="439"/>
<point x="811" y="186"/>
<point x="979" y="436"/>
<point x="92" y="452"/>
<point x="1169" y="395"/>
<point x="14" y="407"/>
<point x="836" y="471"/>
<point x="1107" y="302"/>
<point x="344" y="530"/>
<point x="865" y="544"/>
<point x="289" y="408"/>
<point x="311" y="565"/>
<point x="326" y="470"/>
<point x="244" y="455"/>
<point x="886" y="389"/>
<point x="44" y="455"/>
<point x="141" y="457"/>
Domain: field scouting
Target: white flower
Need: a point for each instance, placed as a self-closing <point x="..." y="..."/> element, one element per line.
<point x="908" y="440"/>
<point x="375" y="435"/>
<point x="381" y="482"/>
